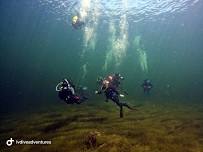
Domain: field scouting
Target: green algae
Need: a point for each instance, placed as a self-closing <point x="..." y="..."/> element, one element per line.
<point x="90" y="128"/>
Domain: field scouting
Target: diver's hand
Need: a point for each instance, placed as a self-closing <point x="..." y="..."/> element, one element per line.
<point x="121" y="95"/>
<point x="96" y="92"/>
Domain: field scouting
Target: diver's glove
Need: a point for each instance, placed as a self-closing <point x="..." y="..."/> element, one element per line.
<point x="121" y="95"/>
<point x="98" y="92"/>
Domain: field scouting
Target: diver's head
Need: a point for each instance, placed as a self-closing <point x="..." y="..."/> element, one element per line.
<point x="84" y="88"/>
<point x="75" y="19"/>
<point x="109" y="78"/>
<point x="118" y="76"/>
<point x="66" y="82"/>
<point x="147" y="81"/>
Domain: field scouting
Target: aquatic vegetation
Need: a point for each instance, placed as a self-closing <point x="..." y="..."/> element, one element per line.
<point x="58" y="124"/>
<point x="91" y="139"/>
<point x="154" y="127"/>
<point x="41" y="44"/>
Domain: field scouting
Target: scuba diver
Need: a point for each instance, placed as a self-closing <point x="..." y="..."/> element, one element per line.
<point x="110" y="86"/>
<point x="76" y="22"/>
<point x="147" y="86"/>
<point x="83" y="91"/>
<point x="66" y="92"/>
<point x="111" y="81"/>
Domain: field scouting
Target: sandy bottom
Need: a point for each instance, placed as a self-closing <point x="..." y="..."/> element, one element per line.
<point x="155" y="127"/>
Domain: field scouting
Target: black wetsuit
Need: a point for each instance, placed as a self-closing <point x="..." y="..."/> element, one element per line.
<point x="113" y="95"/>
<point x="67" y="95"/>
<point x="147" y="86"/>
<point x="111" y="92"/>
<point x="78" y="25"/>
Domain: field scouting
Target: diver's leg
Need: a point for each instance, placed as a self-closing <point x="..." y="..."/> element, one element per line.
<point x="107" y="99"/>
<point x="75" y="99"/>
<point x="121" y="111"/>
<point x="145" y="91"/>
<point x="116" y="100"/>
<point x="78" y="102"/>
<point x="81" y="99"/>
<point x="126" y="105"/>
<point x="148" y="92"/>
<point x="121" y="104"/>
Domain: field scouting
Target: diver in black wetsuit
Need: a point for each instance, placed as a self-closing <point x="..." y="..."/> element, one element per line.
<point x="113" y="95"/>
<point x="110" y="86"/>
<point x="66" y="92"/>
<point x="76" y="22"/>
<point x="111" y="81"/>
<point x="147" y="86"/>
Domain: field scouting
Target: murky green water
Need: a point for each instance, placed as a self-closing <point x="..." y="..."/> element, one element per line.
<point x="139" y="39"/>
<point x="156" y="40"/>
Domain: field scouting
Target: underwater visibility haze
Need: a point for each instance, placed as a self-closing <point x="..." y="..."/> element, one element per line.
<point x="154" y="40"/>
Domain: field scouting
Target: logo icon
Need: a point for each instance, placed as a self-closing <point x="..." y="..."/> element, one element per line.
<point x="9" y="142"/>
